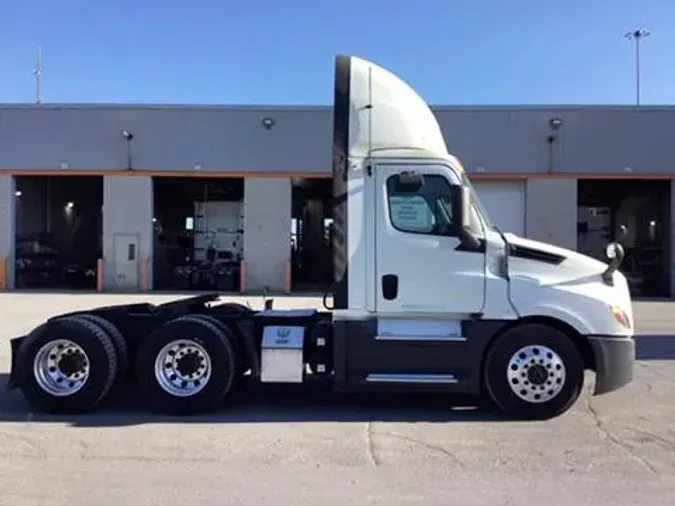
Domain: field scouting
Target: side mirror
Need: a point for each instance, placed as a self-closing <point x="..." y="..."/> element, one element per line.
<point x="614" y="253"/>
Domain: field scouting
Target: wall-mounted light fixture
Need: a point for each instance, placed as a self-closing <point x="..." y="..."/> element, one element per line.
<point x="554" y="125"/>
<point x="70" y="205"/>
<point x="129" y="137"/>
<point x="267" y="123"/>
<point x="18" y="193"/>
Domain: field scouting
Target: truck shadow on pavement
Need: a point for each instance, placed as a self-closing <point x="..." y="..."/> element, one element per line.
<point x="316" y="403"/>
<point x="255" y="403"/>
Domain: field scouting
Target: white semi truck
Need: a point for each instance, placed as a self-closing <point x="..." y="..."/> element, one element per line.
<point x="429" y="296"/>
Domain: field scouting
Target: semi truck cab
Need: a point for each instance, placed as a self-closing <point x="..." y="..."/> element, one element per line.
<point x="427" y="283"/>
<point x="429" y="296"/>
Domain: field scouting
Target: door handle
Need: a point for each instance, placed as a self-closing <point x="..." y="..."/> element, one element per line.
<point x="389" y="286"/>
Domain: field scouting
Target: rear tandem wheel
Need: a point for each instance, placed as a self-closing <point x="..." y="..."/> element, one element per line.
<point x="119" y="343"/>
<point x="185" y="366"/>
<point x="66" y="365"/>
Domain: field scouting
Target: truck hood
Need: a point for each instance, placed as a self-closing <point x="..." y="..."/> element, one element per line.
<point x="545" y="280"/>
<point x="548" y="263"/>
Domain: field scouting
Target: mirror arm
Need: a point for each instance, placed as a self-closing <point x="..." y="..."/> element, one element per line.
<point x="469" y="241"/>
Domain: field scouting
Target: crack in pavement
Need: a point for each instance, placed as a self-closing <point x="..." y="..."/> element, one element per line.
<point x="651" y="437"/>
<point x="429" y="446"/>
<point x="370" y="445"/>
<point x="613" y="440"/>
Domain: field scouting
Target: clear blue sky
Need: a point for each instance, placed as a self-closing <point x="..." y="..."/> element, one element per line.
<point x="281" y="51"/>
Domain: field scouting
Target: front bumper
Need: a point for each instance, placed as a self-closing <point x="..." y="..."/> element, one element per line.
<point x="614" y="362"/>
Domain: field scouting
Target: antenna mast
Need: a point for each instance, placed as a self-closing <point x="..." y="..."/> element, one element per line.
<point x="37" y="72"/>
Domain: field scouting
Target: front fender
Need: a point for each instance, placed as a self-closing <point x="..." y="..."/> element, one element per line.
<point x="576" y="321"/>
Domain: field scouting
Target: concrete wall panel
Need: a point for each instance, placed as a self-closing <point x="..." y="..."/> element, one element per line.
<point x="551" y="211"/>
<point x="267" y="232"/>
<point x="7" y="223"/>
<point x="127" y="209"/>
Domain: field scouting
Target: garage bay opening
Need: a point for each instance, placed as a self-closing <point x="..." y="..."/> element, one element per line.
<point x="636" y="213"/>
<point x="58" y="231"/>
<point x="311" y="235"/>
<point x="198" y="233"/>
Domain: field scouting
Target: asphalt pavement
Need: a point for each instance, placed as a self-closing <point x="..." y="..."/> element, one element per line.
<point x="294" y="446"/>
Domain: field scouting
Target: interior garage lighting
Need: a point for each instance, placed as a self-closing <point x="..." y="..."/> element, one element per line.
<point x="70" y="205"/>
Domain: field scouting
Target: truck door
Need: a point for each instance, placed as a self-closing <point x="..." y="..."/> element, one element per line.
<point x="421" y="264"/>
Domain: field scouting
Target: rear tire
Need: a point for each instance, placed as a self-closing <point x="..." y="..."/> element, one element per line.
<point x="533" y="372"/>
<point x="67" y="365"/>
<point x="120" y="344"/>
<point x="186" y="366"/>
<point x="235" y="308"/>
<point x="237" y="346"/>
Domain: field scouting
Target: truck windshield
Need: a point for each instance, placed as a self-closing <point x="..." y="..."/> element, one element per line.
<point x="478" y="205"/>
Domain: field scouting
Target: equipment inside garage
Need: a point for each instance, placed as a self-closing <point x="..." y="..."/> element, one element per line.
<point x="635" y="213"/>
<point x="311" y="235"/>
<point x="199" y="232"/>
<point x="58" y="231"/>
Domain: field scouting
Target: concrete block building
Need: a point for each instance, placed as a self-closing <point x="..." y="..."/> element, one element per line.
<point x="155" y="196"/>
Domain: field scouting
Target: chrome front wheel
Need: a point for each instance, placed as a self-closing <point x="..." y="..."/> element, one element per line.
<point x="536" y="373"/>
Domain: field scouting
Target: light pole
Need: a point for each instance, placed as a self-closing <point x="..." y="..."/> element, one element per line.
<point x="636" y="36"/>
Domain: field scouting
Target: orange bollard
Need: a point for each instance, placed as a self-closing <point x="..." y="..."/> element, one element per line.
<point x="3" y="274"/>
<point x="99" y="275"/>
<point x="242" y="276"/>
<point x="145" y="275"/>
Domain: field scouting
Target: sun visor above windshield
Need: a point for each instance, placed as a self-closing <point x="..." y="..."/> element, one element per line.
<point x="375" y="110"/>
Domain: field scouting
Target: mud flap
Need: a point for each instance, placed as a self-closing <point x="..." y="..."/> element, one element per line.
<point x="14" y="368"/>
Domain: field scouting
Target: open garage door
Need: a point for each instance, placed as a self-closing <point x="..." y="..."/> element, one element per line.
<point x="504" y="202"/>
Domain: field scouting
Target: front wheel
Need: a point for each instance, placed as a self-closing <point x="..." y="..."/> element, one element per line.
<point x="534" y="371"/>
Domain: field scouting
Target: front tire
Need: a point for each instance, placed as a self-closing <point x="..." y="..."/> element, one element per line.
<point x="534" y="372"/>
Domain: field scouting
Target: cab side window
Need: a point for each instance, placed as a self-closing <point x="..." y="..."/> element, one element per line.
<point x="422" y="204"/>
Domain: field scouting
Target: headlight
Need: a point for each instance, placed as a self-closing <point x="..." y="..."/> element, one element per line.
<point x="621" y="317"/>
